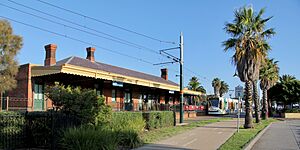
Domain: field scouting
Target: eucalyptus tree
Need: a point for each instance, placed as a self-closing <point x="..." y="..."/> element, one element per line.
<point x="10" y="45"/>
<point x="248" y="41"/>
<point x="268" y="75"/>
<point x="216" y="84"/>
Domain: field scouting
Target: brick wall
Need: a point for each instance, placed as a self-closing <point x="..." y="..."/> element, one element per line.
<point x="24" y="85"/>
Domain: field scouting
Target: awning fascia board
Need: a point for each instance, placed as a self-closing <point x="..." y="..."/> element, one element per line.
<point x="98" y="74"/>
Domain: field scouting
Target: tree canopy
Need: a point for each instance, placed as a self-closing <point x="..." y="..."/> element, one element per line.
<point x="195" y="85"/>
<point x="286" y="91"/>
<point x="216" y="84"/>
<point x="10" y="45"/>
<point x="224" y="88"/>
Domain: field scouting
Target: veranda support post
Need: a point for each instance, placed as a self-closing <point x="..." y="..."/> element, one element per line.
<point x="7" y="99"/>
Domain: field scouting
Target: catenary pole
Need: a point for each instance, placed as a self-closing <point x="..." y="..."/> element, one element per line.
<point x="181" y="77"/>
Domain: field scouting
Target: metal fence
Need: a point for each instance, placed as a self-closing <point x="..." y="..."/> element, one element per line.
<point x="15" y="103"/>
<point x="120" y="106"/>
<point x="33" y="130"/>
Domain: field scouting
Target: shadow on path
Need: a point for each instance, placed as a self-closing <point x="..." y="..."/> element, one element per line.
<point x="219" y="127"/>
<point x="161" y="147"/>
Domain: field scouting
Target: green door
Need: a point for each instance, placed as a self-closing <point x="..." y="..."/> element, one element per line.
<point x="38" y="104"/>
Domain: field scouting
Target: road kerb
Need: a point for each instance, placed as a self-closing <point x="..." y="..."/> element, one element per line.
<point x="257" y="137"/>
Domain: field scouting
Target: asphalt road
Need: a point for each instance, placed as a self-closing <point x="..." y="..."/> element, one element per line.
<point x="282" y="135"/>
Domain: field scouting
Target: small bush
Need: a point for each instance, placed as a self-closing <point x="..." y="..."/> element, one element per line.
<point x="91" y="138"/>
<point x="158" y="119"/>
<point x="99" y="138"/>
<point x="129" y="139"/>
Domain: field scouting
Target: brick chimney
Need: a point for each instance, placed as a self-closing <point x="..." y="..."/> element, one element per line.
<point x="50" y="59"/>
<point x="164" y="73"/>
<point x="90" y="54"/>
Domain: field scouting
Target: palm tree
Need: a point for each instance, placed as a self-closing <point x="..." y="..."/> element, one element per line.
<point x="195" y="85"/>
<point x="216" y="84"/>
<point x="269" y="75"/>
<point x="201" y="89"/>
<point x="287" y="78"/>
<point x="224" y="88"/>
<point x="248" y="40"/>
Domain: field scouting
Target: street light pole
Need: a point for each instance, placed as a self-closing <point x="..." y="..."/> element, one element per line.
<point x="181" y="77"/>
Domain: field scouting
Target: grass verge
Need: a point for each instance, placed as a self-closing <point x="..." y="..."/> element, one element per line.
<point x="162" y="133"/>
<point x="238" y="140"/>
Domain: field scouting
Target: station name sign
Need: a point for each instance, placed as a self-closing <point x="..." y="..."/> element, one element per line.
<point x="118" y="84"/>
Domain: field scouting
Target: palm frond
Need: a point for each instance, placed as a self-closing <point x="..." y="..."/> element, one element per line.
<point x="229" y="44"/>
<point x="268" y="33"/>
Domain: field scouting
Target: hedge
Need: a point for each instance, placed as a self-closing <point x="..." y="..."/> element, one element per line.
<point x="159" y="119"/>
<point x="12" y="125"/>
<point x="292" y="110"/>
<point x="127" y="120"/>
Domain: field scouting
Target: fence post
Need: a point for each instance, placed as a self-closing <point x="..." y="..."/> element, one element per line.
<point x="52" y="131"/>
<point x="7" y="99"/>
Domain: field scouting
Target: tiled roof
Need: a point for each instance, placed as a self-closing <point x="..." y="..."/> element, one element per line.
<point x="77" y="61"/>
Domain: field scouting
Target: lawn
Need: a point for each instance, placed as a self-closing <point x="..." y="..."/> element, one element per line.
<point x="240" y="139"/>
<point x="162" y="133"/>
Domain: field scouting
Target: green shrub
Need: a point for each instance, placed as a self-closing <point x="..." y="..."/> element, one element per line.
<point x="83" y="103"/>
<point x="99" y="138"/>
<point x="129" y="139"/>
<point x="132" y="121"/>
<point x="90" y="138"/>
<point x="293" y="110"/>
<point x="158" y="119"/>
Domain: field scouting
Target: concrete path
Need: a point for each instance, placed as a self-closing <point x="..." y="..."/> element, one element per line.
<point x="209" y="137"/>
<point x="282" y="135"/>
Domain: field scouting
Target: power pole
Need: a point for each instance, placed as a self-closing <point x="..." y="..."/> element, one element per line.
<point x="180" y="61"/>
<point x="181" y="77"/>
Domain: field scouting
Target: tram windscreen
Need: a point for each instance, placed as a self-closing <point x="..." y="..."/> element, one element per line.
<point x="214" y="102"/>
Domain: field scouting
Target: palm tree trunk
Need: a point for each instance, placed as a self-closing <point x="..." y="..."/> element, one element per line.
<point x="256" y="102"/>
<point x="270" y="114"/>
<point x="265" y="104"/>
<point x="248" y="105"/>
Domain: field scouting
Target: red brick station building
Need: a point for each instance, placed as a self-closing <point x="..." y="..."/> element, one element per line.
<point x="122" y="88"/>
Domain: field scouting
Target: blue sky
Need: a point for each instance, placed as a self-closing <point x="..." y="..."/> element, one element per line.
<point x="201" y="22"/>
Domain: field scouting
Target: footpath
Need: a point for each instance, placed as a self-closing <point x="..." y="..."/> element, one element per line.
<point x="209" y="137"/>
<point x="281" y="135"/>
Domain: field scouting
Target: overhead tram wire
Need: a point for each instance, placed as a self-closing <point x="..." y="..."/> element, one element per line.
<point x="176" y="71"/>
<point x="107" y="23"/>
<point x="196" y="74"/>
<point x="78" y="40"/>
<point x="81" y="41"/>
<point x="119" y="40"/>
